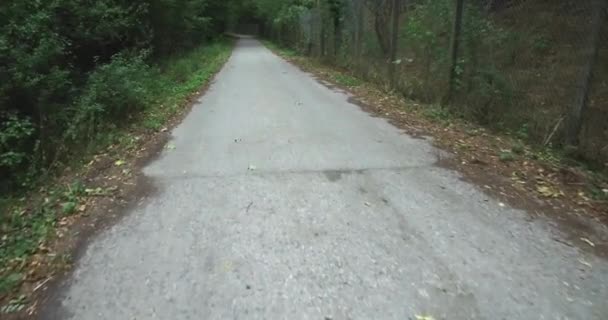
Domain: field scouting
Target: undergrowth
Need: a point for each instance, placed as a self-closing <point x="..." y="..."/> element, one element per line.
<point x="126" y="95"/>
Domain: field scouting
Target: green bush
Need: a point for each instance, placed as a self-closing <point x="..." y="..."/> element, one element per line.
<point x="111" y="94"/>
<point x="480" y="86"/>
<point x="425" y="40"/>
<point x="15" y="133"/>
<point x="68" y="70"/>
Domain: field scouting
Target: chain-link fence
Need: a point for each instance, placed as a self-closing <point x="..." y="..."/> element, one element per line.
<point x="537" y="68"/>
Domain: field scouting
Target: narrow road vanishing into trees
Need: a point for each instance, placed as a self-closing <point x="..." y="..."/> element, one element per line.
<point x="282" y="200"/>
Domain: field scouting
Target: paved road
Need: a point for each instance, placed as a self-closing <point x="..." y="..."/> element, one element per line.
<point x="281" y="200"/>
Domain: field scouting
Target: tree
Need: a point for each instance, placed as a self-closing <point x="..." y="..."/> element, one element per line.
<point x="577" y="113"/>
<point x="381" y="10"/>
<point x="49" y="50"/>
<point x="336" y="10"/>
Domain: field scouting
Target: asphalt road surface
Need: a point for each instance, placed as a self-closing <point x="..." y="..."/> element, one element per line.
<point x="282" y="200"/>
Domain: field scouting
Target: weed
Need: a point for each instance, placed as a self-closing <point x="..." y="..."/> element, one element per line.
<point x="438" y="113"/>
<point x="506" y="156"/>
<point x="15" y="305"/>
<point x="154" y="122"/>
<point x="68" y="207"/>
<point x="523" y="132"/>
<point x="346" y="80"/>
<point x="284" y="51"/>
<point x="598" y="193"/>
<point x="8" y="282"/>
<point x="518" y="148"/>
<point x="474" y="131"/>
<point x="541" y="44"/>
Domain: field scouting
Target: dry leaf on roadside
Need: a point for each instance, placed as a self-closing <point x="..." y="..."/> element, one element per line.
<point x="583" y="262"/>
<point x="587" y="241"/>
<point x="63" y="222"/>
<point x="548" y="191"/>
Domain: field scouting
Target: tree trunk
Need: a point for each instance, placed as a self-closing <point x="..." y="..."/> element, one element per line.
<point x="575" y="122"/>
<point x="456" y="35"/>
<point x="381" y="33"/>
<point x="311" y="35"/>
<point x="392" y="64"/>
<point x="359" y="33"/>
<point x="337" y="35"/>
<point x="321" y="29"/>
<point x="322" y="35"/>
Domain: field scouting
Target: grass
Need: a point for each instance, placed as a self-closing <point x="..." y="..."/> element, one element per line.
<point x="284" y="51"/>
<point x="438" y="113"/>
<point x="182" y="76"/>
<point x="340" y="78"/>
<point x="26" y="229"/>
<point x="347" y="80"/>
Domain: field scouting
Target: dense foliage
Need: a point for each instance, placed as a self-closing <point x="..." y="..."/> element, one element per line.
<point x="69" y="68"/>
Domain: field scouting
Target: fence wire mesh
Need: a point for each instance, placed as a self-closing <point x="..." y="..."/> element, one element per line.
<point x="537" y="68"/>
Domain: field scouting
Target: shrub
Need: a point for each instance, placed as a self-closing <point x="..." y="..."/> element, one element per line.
<point x="67" y="69"/>
<point x="112" y="93"/>
<point x="15" y="135"/>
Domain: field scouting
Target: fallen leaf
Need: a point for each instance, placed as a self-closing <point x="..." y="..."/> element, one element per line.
<point x="587" y="241"/>
<point x="14" y="305"/>
<point x="585" y="263"/>
<point x="42" y="283"/>
<point x="500" y="204"/>
<point x="63" y="222"/>
<point x="119" y="163"/>
<point x="548" y="191"/>
<point x="170" y="147"/>
<point x="367" y="204"/>
<point x="420" y="317"/>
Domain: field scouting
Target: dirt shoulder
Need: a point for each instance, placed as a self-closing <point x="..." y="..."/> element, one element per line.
<point x="501" y="165"/>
